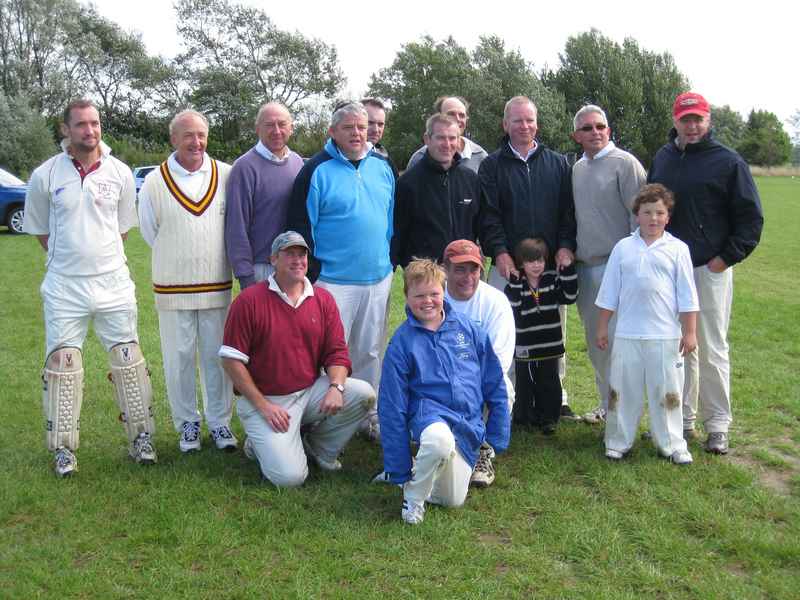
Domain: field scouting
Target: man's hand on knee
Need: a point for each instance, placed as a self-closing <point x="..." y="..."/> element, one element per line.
<point x="276" y="416"/>
<point x="332" y="402"/>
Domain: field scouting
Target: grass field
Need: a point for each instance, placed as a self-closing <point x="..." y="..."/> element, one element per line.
<point x="560" y="521"/>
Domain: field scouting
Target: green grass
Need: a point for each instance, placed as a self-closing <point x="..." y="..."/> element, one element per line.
<point x="560" y="521"/>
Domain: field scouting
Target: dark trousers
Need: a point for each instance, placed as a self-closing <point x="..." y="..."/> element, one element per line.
<point x="538" y="392"/>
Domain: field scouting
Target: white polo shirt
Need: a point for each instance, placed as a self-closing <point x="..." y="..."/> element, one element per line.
<point x="647" y="286"/>
<point x="84" y="219"/>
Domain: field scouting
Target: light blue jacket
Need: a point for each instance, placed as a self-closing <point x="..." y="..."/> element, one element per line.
<point x="345" y="214"/>
<point x="445" y="376"/>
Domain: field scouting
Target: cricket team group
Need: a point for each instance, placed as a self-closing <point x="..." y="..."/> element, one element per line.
<point x="647" y="257"/>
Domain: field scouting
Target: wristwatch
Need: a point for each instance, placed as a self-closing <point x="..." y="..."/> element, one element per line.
<point x="338" y="386"/>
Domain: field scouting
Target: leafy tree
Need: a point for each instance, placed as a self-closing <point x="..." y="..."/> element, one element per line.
<point x="421" y="72"/>
<point x="728" y="125"/>
<point x="27" y="140"/>
<point x="487" y="77"/>
<point x="764" y="141"/>
<point x="111" y="62"/>
<point x="35" y="58"/>
<point x="635" y="87"/>
<point x="237" y="59"/>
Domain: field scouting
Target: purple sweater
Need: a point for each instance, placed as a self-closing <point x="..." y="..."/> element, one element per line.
<point x="256" y="202"/>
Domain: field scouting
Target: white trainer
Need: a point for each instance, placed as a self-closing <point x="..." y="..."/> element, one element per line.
<point x="190" y="436"/>
<point x="681" y="457"/>
<point x="143" y="451"/>
<point x="598" y="415"/>
<point x="224" y="439"/>
<point x="412" y="513"/>
<point x="64" y="462"/>
<point x="614" y="454"/>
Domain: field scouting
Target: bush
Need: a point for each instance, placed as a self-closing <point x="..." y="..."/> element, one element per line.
<point x="26" y="141"/>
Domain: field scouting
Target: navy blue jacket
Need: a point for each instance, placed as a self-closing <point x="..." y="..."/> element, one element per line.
<point x="717" y="208"/>
<point x="432" y="208"/>
<point x="521" y="199"/>
<point x="444" y="376"/>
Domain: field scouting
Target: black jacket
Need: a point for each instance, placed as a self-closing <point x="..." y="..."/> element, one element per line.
<point x="521" y="199"/>
<point x="432" y="208"/>
<point x="717" y="208"/>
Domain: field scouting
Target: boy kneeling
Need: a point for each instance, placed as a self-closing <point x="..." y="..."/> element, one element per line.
<point x="649" y="283"/>
<point x="438" y="372"/>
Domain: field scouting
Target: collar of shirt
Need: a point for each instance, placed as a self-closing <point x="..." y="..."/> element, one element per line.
<point x="608" y="148"/>
<point x="269" y="155"/>
<point x="527" y="156"/>
<point x="178" y="170"/>
<point x="665" y="237"/>
<point x="308" y="290"/>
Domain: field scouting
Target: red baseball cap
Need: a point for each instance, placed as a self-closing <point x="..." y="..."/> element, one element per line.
<point x="461" y="251"/>
<point x="690" y="103"/>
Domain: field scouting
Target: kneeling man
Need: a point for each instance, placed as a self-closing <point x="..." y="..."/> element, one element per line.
<point x="438" y="373"/>
<point x="278" y="336"/>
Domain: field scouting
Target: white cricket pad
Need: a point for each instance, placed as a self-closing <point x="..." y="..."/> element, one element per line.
<point x="132" y="389"/>
<point x="62" y="397"/>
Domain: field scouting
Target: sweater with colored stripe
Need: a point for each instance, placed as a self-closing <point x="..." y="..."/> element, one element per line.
<point x="344" y="212"/>
<point x="536" y="313"/>
<point x="189" y="263"/>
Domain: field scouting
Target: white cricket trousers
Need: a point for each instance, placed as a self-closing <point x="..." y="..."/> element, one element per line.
<point x="708" y="368"/>
<point x="363" y="309"/>
<point x="281" y="455"/>
<point x="71" y="303"/>
<point x="496" y="281"/>
<point x="187" y="335"/>
<point x="651" y="368"/>
<point x="441" y="475"/>
<point x="589" y="279"/>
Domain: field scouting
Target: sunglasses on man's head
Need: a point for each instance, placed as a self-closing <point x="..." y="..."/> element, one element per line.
<point x="598" y="126"/>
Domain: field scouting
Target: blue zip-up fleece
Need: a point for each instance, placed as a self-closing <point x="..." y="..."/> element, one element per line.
<point x="344" y="213"/>
<point x="440" y="376"/>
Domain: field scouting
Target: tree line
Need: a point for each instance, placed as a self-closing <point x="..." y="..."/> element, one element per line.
<point x="232" y="58"/>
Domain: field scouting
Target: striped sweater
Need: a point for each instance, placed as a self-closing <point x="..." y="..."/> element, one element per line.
<point x="536" y="313"/>
<point x="189" y="263"/>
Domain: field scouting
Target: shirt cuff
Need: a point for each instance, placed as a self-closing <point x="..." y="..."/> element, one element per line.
<point x="229" y="352"/>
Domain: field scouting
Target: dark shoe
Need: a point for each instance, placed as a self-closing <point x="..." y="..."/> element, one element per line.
<point x="566" y="413"/>
<point x="548" y="428"/>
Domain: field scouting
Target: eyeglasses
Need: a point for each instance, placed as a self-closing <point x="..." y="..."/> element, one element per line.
<point x="597" y="126"/>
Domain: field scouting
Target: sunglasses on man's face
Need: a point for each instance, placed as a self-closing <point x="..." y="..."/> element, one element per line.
<point x="597" y="126"/>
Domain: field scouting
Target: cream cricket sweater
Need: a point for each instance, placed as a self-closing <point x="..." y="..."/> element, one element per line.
<point x="189" y="263"/>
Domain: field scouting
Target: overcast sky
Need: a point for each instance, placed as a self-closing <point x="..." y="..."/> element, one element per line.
<point x="733" y="53"/>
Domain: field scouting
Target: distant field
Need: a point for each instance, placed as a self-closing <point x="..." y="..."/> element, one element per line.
<point x="560" y="521"/>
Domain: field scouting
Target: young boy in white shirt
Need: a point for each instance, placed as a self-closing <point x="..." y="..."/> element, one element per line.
<point x="649" y="283"/>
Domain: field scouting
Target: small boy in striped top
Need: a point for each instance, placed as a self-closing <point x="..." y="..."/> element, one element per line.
<point x="535" y="297"/>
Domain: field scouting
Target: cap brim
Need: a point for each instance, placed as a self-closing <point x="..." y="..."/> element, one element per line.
<point x="462" y="258"/>
<point x="692" y="111"/>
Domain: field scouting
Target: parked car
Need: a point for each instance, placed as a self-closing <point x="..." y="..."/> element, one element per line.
<point x="139" y="173"/>
<point x="12" y="200"/>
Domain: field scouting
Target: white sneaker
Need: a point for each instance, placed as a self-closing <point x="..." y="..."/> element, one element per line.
<point x="64" y="463"/>
<point x="483" y="474"/>
<point x="598" y="415"/>
<point x="370" y="429"/>
<point x="681" y="457"/>
<point x="614" y="454"/>
<point x="224" y="439"/>
<point x="412" y="513"/>
<point x="327" y="465"/>
<point x="190" y="436"/>
<point x="143" y="451"/>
